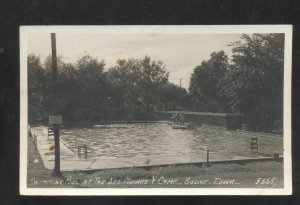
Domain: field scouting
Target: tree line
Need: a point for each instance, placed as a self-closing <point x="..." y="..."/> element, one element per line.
<point x="248" y="83"/>
<point x="86" y="90"/>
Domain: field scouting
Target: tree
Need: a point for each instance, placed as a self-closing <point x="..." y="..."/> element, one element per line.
<point x="36" y="87"/>
<point x="51" y="104"/>
<point x="48" y="64"/>
<point x="153" y="77"/>
<point x="174" y="97"/>
<point x="68" y="93"/>
<point x="254" y="83"/>
<point x="138" y="81"/>
<point x="205" y="84"/>
<point x="90" y="80"/>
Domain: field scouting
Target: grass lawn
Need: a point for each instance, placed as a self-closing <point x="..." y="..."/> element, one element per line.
<point x="247" y="175"/>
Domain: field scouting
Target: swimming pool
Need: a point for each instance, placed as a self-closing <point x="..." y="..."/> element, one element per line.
<point x="159" y="139"/>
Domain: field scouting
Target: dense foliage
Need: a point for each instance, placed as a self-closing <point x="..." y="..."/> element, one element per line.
<point x="87" y="91"/>
<point x="250" y="83"/>
<point x="254" y="83"/>
<point x="205" y="84"/>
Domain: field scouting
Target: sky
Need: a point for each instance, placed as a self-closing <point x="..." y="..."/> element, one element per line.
<point x="180" y="52"/>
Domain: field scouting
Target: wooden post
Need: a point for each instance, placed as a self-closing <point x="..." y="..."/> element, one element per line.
<point x="54" y="59"/>
<point x="85" y="152"/>
<point x="56" y="126"/>
<point x="276" y="156"/>
<point x="180" y="79"/>
<point x="57" y="150"/>
<point x="207" y="159"/>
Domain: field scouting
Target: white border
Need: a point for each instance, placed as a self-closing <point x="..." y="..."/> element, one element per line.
<point x="287" y="29"/>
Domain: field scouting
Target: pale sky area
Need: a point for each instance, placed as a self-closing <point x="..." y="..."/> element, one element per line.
<point x="180" y="53"/>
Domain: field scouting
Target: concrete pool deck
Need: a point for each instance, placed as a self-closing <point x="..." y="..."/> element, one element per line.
<point x="71" y="162"/>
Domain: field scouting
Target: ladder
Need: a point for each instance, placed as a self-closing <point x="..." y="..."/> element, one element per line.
<point x="50" y="131"/>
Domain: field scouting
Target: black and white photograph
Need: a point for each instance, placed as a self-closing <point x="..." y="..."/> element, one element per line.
<point x="155" y="110"/>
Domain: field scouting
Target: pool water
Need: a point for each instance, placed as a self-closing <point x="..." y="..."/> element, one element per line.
<point x="160" y="139"/>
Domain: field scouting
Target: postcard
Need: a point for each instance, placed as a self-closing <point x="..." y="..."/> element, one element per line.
<point x="155" y="110"/>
